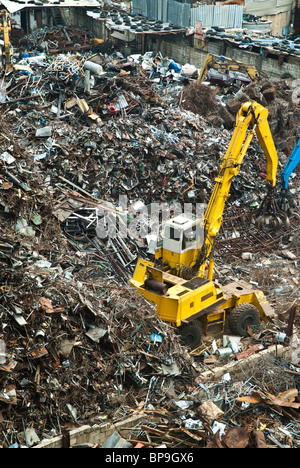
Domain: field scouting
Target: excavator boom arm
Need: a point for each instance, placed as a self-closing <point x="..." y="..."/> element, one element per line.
<point x="5" y="29"/>
<point x="251" y="118"/>
<point x="291" y="165"/>
<point x="226" y="63"/>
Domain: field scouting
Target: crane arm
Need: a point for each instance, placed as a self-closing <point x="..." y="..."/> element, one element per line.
<point x="251" y="119"/>
<point x="291" y="165"/>
<point x="205" y="68"/>
<point x="226" y="63"/>
<point x="5" y="29"/>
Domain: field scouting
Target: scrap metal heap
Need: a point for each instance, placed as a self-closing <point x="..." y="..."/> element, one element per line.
<point x="78" y="345"/>
<point x="280" y="97"/>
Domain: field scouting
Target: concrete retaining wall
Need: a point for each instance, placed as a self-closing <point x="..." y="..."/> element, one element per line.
<point x="96" y="434"/>
<point x="183" y="53"/>
<point x="238" y="369"/>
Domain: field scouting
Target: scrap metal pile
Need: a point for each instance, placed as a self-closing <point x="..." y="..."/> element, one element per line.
<point x="78" y="345"/>
<point x="255" y="40"/>
<point x="220" y="414"/>
<point x="279" y="97"/>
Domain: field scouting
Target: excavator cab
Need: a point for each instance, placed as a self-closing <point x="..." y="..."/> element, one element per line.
<point x="181" y="239"/>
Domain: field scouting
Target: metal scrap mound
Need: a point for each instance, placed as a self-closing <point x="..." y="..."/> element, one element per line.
<point x="277" y="97"/>
<point x="75" y="354"/>
<point x="199" y="98"/>
<point x="284" y="112"/>
<point x="76" y="345"/>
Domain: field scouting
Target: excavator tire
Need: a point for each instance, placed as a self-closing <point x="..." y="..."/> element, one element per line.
<point x="242" y="317"/>
<point x="191" y="334"/>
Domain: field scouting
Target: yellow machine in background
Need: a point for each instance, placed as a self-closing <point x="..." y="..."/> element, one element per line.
<point x="180" y="280"/>
<point x="6" y="51"/>
<point x="225" y="63"/>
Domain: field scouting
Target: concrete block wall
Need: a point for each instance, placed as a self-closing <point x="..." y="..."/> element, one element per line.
<point x="177" y="50"/>
<point x="96" y="434"/>
<point x="182" y="53"/>
<point x="269" y="65"/>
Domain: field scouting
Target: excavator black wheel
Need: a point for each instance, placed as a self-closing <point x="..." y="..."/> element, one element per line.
<point x="191" y="334"/>
<point x="243" y="318"/>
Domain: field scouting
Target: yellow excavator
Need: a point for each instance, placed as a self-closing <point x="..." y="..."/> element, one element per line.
<point x="218" y="62"/>
<point x="180" y="281"/>
<point x="6" y="51"/>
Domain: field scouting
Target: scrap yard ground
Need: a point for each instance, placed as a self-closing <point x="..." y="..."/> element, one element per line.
<point x="80" y="351"/>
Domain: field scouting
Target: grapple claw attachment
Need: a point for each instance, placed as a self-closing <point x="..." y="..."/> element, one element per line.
<point x="269" y="215"/>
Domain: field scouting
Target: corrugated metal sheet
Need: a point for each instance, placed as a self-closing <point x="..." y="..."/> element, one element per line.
<point x="209" y="13"/>
<point x="179" y="13"/>
<point x="165" y="11"/>
<point x="169" y="11"/>
<point x="152" y="9"/>
<point x="218" y="13"/>
<point x="160" y="10"/>
<point x="139" y="7"/>
<point x="224" y="16"/>
<point x="238" y="16"/>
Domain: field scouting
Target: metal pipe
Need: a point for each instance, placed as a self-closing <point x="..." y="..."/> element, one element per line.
<point x="156" y="286"/>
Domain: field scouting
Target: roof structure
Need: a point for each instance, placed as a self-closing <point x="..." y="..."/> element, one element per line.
<point x="17" y="5"/>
